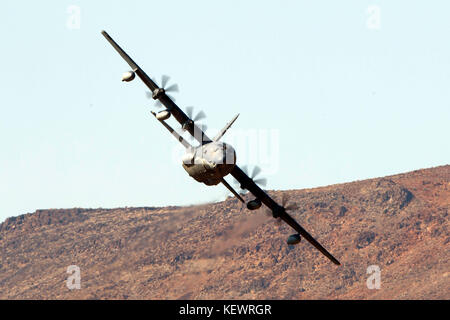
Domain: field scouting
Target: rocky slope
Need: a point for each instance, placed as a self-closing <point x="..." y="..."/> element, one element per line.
<point x="219" y="251"/>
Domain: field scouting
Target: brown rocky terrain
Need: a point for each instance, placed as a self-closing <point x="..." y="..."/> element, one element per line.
<point x="219" y="251"/>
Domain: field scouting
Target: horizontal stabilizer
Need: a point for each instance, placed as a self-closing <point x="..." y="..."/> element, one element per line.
<point x="174" y="133"/>
<point x="232" y="190"/>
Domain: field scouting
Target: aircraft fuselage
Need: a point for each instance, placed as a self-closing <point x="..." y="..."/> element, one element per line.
<point x="210" y="162"/>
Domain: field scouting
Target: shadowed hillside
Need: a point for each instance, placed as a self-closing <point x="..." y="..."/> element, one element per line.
<point x="215" y="251"/>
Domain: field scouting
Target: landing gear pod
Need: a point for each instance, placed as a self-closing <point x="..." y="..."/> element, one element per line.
<point x="293" y="239"/>
<point x="128" y="76"/>
<point x="163" y="115"/>
<point x="254" y="204"/>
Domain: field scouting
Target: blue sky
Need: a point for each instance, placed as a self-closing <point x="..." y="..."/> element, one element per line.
<point x="349" y="98"/>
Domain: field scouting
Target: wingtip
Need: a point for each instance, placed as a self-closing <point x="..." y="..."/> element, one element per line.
<point x="336" y="262"/>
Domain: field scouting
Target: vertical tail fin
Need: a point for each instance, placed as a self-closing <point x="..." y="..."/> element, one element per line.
<point x="222" y="132"/>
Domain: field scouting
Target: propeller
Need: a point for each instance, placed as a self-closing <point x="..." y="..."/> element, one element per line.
<point x="256" y="171"/>
<point x="172" y="88"/>
<point x="261" y="182"/>
<point x="199" y="116"/>
<point x="285" y="204"/>
<point x="163" y="89"/>
<point x="192" y="119"/>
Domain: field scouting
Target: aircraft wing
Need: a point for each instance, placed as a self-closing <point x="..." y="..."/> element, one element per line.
<point x="176" y="112"/>
<point x="200" y="136"/>
<point x="277" y="210"/>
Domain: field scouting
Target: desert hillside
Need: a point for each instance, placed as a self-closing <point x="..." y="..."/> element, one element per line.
<point x="399" y="223"/>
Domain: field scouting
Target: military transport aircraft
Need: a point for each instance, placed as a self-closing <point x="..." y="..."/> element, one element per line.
<point x="212" y="160"/>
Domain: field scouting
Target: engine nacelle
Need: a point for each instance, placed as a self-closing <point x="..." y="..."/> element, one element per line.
<point x="128" y="76"/>
<point x="163" y="115"/>
<point x="293" y="239"/>
<point x="254" y="204"/>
